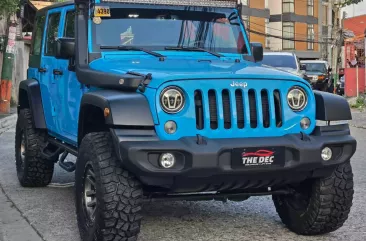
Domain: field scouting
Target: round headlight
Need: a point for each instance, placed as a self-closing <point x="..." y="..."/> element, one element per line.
<point x="172" y="99"/>
<point x="297" y="98"/>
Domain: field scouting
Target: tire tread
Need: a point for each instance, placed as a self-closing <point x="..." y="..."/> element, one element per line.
<point x="329" y="206"/>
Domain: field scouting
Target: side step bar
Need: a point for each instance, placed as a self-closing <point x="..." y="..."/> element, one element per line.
<point x="69" y="148"/>
<point x="53" y="151"/>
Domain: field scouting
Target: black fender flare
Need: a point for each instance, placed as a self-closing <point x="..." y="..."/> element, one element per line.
<point x="29" y="96"/>
<point x="331" y="107"/>
<point x="129" y="110"/>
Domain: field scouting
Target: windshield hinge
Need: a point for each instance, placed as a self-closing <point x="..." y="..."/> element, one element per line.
<point x="145" y="81"/>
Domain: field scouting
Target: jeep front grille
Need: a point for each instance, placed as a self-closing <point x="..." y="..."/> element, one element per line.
<point x="249" y="109"/>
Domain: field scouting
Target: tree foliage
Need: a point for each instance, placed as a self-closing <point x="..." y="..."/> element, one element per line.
<point x="346" y="2"/>
<point x="8" y="7"/>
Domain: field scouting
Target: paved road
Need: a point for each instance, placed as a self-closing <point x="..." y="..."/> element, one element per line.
<point x="50" y="211"/>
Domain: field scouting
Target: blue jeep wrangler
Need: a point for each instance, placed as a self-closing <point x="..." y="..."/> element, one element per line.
<point x="165" y="100"/>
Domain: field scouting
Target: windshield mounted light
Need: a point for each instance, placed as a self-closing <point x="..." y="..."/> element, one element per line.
<point x="201" y="3"/>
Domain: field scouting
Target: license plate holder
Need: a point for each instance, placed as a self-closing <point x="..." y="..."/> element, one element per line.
<point x="258" y="157"/>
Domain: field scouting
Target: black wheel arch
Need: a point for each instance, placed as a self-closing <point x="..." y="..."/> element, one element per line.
<point x="104" y="109"/>
<point x="29" y="96"/>
<point x="331" y="107"/>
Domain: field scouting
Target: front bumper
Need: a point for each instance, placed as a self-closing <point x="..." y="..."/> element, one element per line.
<point x="208" y="166"/>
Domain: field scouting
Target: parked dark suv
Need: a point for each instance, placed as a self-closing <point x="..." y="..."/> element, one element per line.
<point x="319" y="74"/>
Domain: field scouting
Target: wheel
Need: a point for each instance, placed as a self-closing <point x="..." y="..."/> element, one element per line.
<point x="318" y="206"/>
<point x="108" y="198"/>
<point x="32" y="169"/>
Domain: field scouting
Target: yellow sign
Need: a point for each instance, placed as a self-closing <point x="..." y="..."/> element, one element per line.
<point x="102" y="11"/>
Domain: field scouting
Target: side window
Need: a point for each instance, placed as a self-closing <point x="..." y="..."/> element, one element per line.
<point x="38" y="35"/>
<point x="70" y="25"/>
<point x="52" y="33"/>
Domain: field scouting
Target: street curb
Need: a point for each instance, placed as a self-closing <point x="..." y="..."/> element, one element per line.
<point x="7" y="122"/>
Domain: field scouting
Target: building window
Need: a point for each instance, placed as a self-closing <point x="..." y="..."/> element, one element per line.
<point x="288" y="6"/>
<point x="311" y="36"/>
<point x="245" y="2"/>
<point x="288" y="34"/>
<point x="311" y="7"/>
<point x="325" y="15"/>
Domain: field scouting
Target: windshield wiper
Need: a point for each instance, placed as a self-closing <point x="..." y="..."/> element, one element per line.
<point x="132" y="48"/>
<point x="194" y="49"/>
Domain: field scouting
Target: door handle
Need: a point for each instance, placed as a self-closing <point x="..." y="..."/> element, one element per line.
<point x="42" y="70"/>
<point x="57" y="72"/>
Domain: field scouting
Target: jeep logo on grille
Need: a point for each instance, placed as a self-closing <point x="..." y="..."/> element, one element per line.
<point x="239" y="84"/>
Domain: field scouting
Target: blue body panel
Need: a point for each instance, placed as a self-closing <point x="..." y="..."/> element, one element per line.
<point x="61" y="94"/>
<point x="190" y="71"/>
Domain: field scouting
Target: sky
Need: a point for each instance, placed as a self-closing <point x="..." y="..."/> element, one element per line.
<point x="356" y="9"/>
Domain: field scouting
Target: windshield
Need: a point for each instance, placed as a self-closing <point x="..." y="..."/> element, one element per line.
<point x="315" y="67"/>
<point x="158" y="28"/>
<point x="280" y="61"/>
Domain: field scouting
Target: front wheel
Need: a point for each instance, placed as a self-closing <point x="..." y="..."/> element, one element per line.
<point x="318" y="206"/>
<point x="108" y="197"/>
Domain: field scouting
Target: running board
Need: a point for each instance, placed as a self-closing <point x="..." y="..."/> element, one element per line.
<point x="65" y="149"/>
<point x="64" y="146"/>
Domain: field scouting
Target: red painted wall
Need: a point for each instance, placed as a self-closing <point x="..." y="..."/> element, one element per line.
<point x="351" y="81"/>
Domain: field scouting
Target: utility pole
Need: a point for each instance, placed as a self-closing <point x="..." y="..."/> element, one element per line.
<point x="339" y="39"/>
<point x="7" y="69"/>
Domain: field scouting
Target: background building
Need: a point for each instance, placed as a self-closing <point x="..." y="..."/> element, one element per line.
<point x="304" y="27"/>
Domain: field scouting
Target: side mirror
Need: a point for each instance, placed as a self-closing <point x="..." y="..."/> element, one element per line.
<point x="303" y="67"/>
<point x="257" y="51"/>
<point x="65" y="48"/>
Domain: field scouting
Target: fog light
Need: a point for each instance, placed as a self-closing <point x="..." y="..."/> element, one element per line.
<point x="305" y="123"/>
<point x="327" y="154"/>
<point x="170" y="127"/>
<point x="167" y="160"/>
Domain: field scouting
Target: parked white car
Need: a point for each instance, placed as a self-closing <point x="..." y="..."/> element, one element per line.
<point x="285" y="61"/>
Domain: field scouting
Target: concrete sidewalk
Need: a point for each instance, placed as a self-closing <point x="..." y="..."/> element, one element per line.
<point x="8" y="120"/>
<point x="13" y="226"/>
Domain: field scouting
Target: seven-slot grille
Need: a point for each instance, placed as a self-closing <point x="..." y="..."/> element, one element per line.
<point x="239" y="108"/>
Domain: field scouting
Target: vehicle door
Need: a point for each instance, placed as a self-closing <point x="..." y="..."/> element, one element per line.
<point x="48" y="75"/>
<point x="70" y="90"/>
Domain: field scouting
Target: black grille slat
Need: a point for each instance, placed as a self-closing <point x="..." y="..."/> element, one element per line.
<point x="226" y="109"/>
<point x="253" y="109"/>
<point x="212" y="103"/>
<point x="239" y="108"/>
<point x="265" y="108"/>
<point x="278" y="107"/>
<point x="199" y="109"/>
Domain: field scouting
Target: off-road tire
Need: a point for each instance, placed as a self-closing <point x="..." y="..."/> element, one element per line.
<point x="329" y="203"/>
<point x="35" y="171"/>
<point x="118" y="193"/>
